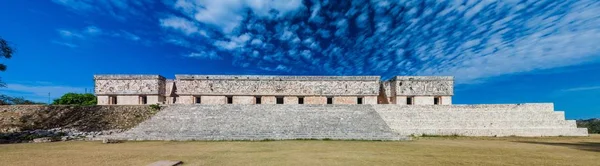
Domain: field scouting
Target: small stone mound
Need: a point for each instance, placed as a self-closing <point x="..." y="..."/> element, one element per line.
<point x="43" y="140"/>
<point x="166" y="163"/>
<point x="110" y="141"/>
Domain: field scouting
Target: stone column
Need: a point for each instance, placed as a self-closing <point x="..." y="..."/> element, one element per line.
<point x="213" y="100"/>
<point x="268" y="100"/>
<point x="315" y="100"/>
<point x="345" y="100"/>
<point x="244" y="100"/>
<point x="370" y="100"/>
<point x="290" y="100"/>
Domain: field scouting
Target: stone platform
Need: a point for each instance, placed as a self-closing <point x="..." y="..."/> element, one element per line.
<point x="350" y="122"/>
<point x="263" y="122"/>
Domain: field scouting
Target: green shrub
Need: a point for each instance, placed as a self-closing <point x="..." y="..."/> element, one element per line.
<point x="154" y="108"/>
<point x="593" y="125"/>
<point x="76" y="99"/>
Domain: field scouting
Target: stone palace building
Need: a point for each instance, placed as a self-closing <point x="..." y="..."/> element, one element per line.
<point x="246" y="89"/>
<point x="245" y="107"/>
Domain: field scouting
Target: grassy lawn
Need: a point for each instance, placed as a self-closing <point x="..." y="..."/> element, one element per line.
<point x="421" y="151"/>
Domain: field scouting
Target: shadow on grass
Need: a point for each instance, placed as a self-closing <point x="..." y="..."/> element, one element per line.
<point x="586" y="146"/>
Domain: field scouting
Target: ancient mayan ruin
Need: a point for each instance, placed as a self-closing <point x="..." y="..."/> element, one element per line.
<point x="244" y="89"/>
<point x="249" y="107"/>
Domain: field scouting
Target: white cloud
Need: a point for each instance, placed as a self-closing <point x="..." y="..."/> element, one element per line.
<point x="472" y="41"/>
<point x="69" y="34"/>
<point x="181" y="24"/>
<point x="118" y="9"/>
<point x="226" y="15"/>
<point x="92" y="30"/>
<point x="588" y="88"/>
<point x="67" y="44"/>
<point x="204" y="55"/>
<point x="76" y="4"/>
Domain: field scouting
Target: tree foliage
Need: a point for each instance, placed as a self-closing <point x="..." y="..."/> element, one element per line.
<point x="5" y="52"/>
<point x="593" y="125"/>
<point x="76" y="99"/>
<point x="8" y="100"/>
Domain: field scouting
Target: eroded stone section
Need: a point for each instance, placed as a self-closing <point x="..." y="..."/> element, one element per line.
<point x="344" y="100"/>
<point x="290" y="100"/>
<point x="405" y="85"/>
<point x="315" y="100"/>
<point x="243" y="99"/>
<point x="129" y="84"/>
<point x="272" y="87"/>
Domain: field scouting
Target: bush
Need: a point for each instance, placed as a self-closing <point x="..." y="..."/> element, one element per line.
<point x="76" y="99"/>
<point x="155" y="107"/>
<point x="8" y="100"/>
<point x="593" y="125"/>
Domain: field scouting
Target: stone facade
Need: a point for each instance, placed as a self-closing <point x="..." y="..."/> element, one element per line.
<point x="130" y="89"/>
<point x="417" y="90"/>
<point x="245" y="89"/>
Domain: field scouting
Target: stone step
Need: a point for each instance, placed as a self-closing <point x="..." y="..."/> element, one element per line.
<point x="259" y="137"/>
<point x="208" y="122"/>
<point x="524" y="132"/>
<point x="471" y="115"/>
<point x="476" y="107"/>
<point x="449" y="124"/>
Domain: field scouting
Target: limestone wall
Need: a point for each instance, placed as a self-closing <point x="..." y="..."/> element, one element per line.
<point x="290" y="100"/>
<point x="423" y="85"/>
<point x="213" y="99"/>
<point x="102" y="100"/>
<point x="530" y="119"/>
<point x="344" y="100"/>
<point x="243" y="99"/>
<point x="128" y="100"/>
<point x="369" y="100"/>
<point x="278" y="85"/>
<point x="129" y="84"/>
<point x="315" y="100"/>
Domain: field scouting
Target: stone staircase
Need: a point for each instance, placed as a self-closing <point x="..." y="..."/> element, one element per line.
<point x="479" y="120"/>
<point x="263" y="122"/>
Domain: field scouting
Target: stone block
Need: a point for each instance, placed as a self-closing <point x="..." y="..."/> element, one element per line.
<point x="423" y="100"/>
<point x="370" y="100"/>
<point x="244" y="100"/>
<point x="345" y="100"/>
<point x="155" y="99"/>
<point x="315" y="100"/>
<point x="400" y="100"/>
<point x="42" y="140"/>
<point x="446" y="100"/>
<point x="102" y="100"/>
<point x="128" y="100"/>
<point x="290" y="100"/>
<point x="269" y="100"/>
<point x="185" y="100"/>
<point x="213" y="100"/>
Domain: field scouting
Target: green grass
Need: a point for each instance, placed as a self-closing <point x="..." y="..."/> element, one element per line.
<point x="420" y="151"/>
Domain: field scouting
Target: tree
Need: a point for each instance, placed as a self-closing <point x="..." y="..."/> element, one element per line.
<point x="76" y="99"/>
<point x="5" y="52"/>
<point x="7" y="100"/>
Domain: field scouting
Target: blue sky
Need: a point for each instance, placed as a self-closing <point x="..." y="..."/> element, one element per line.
<point x="499" y="51"/>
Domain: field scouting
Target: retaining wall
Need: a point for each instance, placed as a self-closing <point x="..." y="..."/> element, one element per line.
<point x="82" y="118"/>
